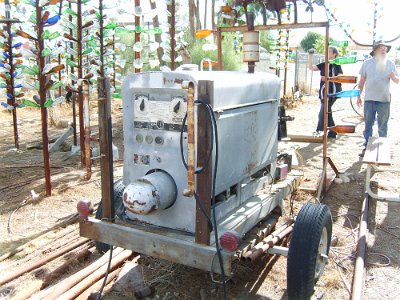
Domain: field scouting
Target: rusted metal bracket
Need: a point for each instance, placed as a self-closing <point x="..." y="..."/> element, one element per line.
<point x="189" y="86"/>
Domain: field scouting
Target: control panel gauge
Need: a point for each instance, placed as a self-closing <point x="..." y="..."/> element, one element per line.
<point x="178" y="107"/>
<point x="142" y="104"/>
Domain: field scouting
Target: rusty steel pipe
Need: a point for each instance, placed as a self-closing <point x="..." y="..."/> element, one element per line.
<point x="268" y="242"/>
<point x="54" y="291"/>
<point x="97" y="286"/>
<point x="41" y="262"/>
<point x="88" y="162"/>
<point x="40" y="284"/>
<point x="87" y="282"/>
<point x="189" y="192"/>
<point x="358" y="278"/>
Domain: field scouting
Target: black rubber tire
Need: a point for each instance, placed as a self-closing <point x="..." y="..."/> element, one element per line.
<point x="304" y="247"/>
<point x="119" y="211"/>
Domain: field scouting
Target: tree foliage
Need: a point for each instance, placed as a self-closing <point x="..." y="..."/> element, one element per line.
<point x="319" y="46"/>
<point x="309" y="40"/>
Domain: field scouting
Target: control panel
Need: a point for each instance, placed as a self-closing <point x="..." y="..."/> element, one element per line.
<point x="159" y="111"/>
<point x="157" y="123"/>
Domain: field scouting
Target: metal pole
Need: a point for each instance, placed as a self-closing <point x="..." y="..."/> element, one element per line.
<point x="358" y="278"/>
<point x="80" y="76"/>
<point x="219" y="41"/>
<point x="325" y="137"/>
<point x="137" y="34"/>
<point x="42" y="96"/>
<point x="88" y="162"/>
<point x="106" y="155"/>
<point x="11" y="83"/>
<point x="171" y="21"/>
<point x="71" y="44"/>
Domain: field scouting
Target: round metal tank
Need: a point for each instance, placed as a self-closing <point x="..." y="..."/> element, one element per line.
<point x="152" y="192"/>
<point x="251" y="46"/>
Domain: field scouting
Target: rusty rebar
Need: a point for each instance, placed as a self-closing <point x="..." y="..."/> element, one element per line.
<point x="106" y="155"/>
<point x="88" y="162"/>
<point x="358" y="278"/>
<point x="11" y="82"/>
<point x="137" y="34"/>
<point x="71" y="44"/>
<point x="269" y="242"/>
<point x="80" y="89"/>
<point x="171" y="21"/>
<point x="42" y="96"/>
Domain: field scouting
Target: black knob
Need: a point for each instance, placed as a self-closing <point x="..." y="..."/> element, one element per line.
<point x="177" y="106"/>
<point x="141" y="107"/>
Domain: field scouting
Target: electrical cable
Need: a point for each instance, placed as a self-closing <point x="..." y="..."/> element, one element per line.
<point x="213" y="221"/>
<point x="106" y="275"/>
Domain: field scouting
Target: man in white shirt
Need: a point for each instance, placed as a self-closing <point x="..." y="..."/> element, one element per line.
<point x="375" y="75"/>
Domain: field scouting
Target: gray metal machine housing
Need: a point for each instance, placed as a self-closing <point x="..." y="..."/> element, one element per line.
<point x="246" y="109"/>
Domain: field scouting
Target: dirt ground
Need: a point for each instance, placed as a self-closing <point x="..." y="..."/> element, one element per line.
<point x="23" y="217"/>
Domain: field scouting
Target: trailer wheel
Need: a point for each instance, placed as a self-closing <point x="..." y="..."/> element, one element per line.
<point x="119" y="211"/>
<point x="308" y="250"/>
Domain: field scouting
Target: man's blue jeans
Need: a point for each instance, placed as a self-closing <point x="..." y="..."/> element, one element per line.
<point x="376" y="110"/>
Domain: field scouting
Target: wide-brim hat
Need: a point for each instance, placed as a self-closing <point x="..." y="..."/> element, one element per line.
<point x="377" y="44"/>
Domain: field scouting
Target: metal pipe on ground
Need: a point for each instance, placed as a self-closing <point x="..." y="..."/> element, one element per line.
<point x="76" y="290"/>
<point x="41" y="262"/>
<point x="55" y="291"/>
<point x="36" y="286"/>
<point x="22" y="247"/>
<point x="269" y="241"/>
<point x="93" y="289"/>
<point x="358" y="278"/>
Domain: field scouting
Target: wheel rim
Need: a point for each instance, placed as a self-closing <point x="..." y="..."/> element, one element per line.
<point x="322" y="256"/>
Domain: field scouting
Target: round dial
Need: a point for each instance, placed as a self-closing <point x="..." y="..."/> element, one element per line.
<point x="142" y="104"/>
<point x="178" y="107"/>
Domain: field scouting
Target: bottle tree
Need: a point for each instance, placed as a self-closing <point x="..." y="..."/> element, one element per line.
<point x="10" y="66"/>
<point x="78" y="21"/>
<point x="43" y="38"/>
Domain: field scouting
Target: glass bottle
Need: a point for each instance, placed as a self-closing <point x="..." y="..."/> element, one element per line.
<point x="24" y="35"/>
<point x="54" y="69"/>
<point x="344" y="60"/>
<point x="346" y="94"/>
<point x="7" y="106"/>
<point x="29" y="103"/>
<point x="70" y="37"/>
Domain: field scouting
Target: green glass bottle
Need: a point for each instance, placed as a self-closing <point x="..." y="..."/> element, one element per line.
<point x="71" y="63"/>
<point x="87" y="51"/>
<point x="70" y="11"/>
<point x="29" y="103"/>
<point x="344" y="60"/>
<point x="339" y="43"/>
<point x="31" y="71"/>
<point x="111" y="26"/>
<point x="46" y="52"/>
